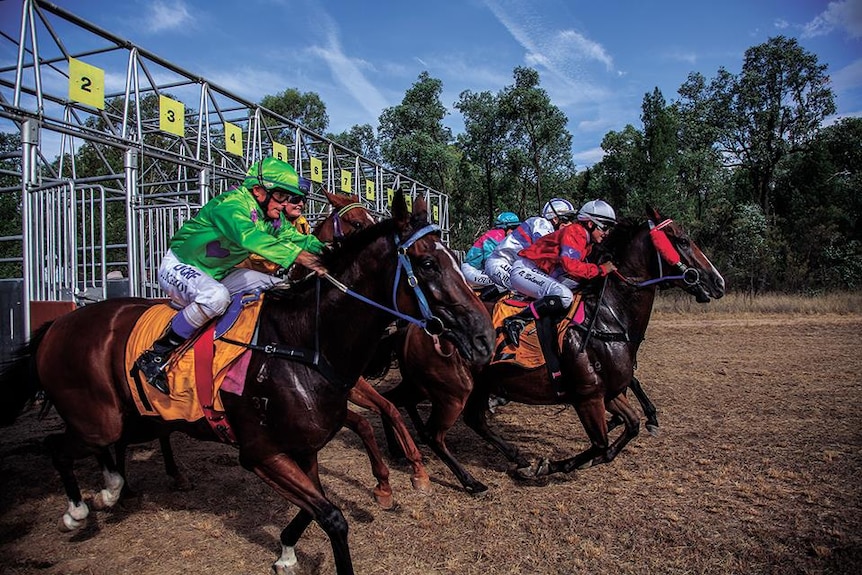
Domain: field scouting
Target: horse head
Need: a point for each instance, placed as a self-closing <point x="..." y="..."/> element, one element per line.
<point x="348" y="215"/>
<point x="662" y="252"/>
<point x="462" y="317"/>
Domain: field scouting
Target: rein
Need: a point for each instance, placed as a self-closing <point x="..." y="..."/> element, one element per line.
<point x="431" y="324"/>
<point x="666" y="253"/>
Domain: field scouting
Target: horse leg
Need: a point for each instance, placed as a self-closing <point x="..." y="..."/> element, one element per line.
<point x="364" y="395"/>
<point x="180" y="481"/>
<point x="114" y="482"/>
<point x="592" y="415"/>
<point x="476" y="418"/>
<point x="361" y="427"/>
<point x="127" y="493"/>
<point x="621" y="407"/>
<point x="301" y="486"/>
<point x="647" y="406"/>
<point x="64" y="450"/>
<point x="440" y="421"/>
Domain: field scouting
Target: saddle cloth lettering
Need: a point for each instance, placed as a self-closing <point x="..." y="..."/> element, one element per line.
<point x="183" y="402"/>
<point x="528" y="354"/>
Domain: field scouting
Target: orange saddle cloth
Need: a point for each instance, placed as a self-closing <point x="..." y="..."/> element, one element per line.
<point x="528" y="354"/>
<point x="184" y="401"/>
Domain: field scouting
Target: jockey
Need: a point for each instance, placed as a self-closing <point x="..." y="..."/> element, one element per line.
<point x="198" y="271"/>
<point x="473" y="267"/>
<point x="551" y="268"/>
<point x="498" y="265"/>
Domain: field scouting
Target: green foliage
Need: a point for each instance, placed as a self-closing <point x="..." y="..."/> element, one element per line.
<point x="10" y="205"/>
<point x="360" y="139"/>
<point x="304" y="108"/>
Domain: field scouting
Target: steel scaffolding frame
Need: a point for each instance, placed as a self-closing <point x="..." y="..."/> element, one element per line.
<point x="120" y="186"/>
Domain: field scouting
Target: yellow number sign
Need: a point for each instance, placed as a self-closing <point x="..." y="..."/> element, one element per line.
<point x="279" y="152"/>
<point x="435" y="213"/>
<point x="369" y="190"/>
<point x="346" y="182"/>
<point x="409" y="201"/>
<point x="316" y="170"/>
<point x="86" y="84"/>
<point x="390" y="193"/>
<point x="172" y="116"/>
<point x="233" y="139"/>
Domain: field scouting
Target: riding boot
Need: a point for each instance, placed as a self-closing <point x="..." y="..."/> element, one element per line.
<point x="546" y="331"/>
<point x="548" y="306"/>
<point x="154" y="361"/>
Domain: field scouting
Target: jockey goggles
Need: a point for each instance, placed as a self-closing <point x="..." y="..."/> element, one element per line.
<point x="285" y="197"/>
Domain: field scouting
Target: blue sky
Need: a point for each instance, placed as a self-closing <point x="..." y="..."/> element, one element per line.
<point x="596" y="59"/>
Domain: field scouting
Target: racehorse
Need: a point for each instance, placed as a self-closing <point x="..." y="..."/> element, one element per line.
<point x="598" y="361"/>
<point x="289" y="409"/>
<point x="347" y="216"/>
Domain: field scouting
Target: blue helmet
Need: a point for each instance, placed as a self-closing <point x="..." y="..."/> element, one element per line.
<point x="506" y="220"/>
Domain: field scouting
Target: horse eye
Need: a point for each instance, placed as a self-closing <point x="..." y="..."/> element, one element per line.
<point x="683" y="242"/>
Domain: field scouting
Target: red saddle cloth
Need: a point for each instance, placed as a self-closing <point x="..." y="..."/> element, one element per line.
<point x="196" y="371"/>
<point x="528" y="354"/>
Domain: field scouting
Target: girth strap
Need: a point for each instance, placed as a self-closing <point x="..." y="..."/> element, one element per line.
<point x="302" y="355"/>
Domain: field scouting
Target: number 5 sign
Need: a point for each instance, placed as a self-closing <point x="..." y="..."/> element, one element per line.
<point x="86" y="84"/>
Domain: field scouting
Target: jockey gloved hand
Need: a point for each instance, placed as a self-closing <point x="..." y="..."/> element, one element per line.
<point x="312" y="262"/>
<point x="608" y="267"/>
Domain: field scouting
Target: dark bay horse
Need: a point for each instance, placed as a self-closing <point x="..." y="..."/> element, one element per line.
<point x="288" y="410"/>
<point x="347" y="216"/>
<point x="597" y="366"/>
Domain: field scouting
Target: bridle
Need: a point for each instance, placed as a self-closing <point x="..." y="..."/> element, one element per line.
<point x="432" y="324"/>
<point x="666" y="254"/>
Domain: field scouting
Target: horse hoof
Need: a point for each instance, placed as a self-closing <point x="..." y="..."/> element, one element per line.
<point x="384" y="499"/>
<point x="652" y="429"/>
<point x="477" y="488"/>
<point x="421" y="484"/>
<point x="67" y="524"/>
<point x="524" y="473"/>
<point x="181" y="483"/>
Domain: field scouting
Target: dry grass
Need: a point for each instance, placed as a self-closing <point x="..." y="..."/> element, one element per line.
<point x="739" y="304"/>
<point x="756" y="471"/>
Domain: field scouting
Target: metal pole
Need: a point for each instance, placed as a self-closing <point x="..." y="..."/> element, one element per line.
<point x="130" y="165"/>
<point x="29" y="149"/>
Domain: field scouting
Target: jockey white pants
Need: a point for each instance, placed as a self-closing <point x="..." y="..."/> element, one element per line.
<point x="499" y="268"/>
<point x="475" y="278"/>
<point x="200" y="296"/>
<point x="531" y="281"/>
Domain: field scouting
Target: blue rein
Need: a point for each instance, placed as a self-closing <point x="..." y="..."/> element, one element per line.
<point x="429" y="322"/>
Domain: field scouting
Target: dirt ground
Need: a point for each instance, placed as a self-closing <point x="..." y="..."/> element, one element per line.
<point x="756" y="470"/>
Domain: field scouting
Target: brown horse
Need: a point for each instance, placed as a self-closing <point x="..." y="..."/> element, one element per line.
<point x="348" y="216"/>
<point x="598" y="362"/>
<point x="289" y="409"/>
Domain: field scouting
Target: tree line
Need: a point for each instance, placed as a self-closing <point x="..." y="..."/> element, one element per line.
<point x="742" y="159"/>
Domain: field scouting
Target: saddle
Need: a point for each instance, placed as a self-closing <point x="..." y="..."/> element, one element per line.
<point x="528" y="354"/>
<point x="201" y="367"/>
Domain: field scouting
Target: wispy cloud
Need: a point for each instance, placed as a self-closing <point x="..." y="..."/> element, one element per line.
<point x="848" y="77"/>
<point x="559" y="51"/>
<point x="843" y="14"/>
<point x="161" y="16"/>
<point x="346" y="71"/>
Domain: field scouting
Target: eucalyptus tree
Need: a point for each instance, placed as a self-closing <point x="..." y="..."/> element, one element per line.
<point x="540" y="146"/>
<point x="361" y="139"/>
<point x="303" y="108"/>
<point x="483" y="144"/>
<point x="770" y="110"/>
<point x="413" y="139"/>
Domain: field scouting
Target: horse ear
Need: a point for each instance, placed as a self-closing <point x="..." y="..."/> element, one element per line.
<point x="420" y="208"/>
<point x="334" y="199"/>
<point x="399" y="209"/>
<point x="653" y="214"/>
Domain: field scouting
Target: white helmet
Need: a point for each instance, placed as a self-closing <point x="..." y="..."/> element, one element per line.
<point x="599" y="212"/>
<point x="557" y="208"/>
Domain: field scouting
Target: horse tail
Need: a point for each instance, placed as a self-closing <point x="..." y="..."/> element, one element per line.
<point x="19" y="380"/>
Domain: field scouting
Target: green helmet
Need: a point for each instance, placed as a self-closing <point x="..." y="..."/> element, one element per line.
<point x="272" y="173"/>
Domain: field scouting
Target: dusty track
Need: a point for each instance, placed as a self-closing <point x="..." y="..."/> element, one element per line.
<point x="757" y="470"/>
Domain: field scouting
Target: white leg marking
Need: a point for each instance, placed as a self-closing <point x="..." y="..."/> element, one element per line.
<point x="74" y="516"/>
<point x="287" y="559"/>
<point x="109" y="496"/>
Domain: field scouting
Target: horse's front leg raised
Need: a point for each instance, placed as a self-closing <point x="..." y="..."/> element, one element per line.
<point x="364" y="395"/>
<point x="476" y="418"/>
<point x="301" y="487"/>
<point x="360" y="426"/>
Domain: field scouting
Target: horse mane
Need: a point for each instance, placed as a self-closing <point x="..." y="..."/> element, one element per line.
<point x="617" y="242"/>
<point x="341" y="253"/>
